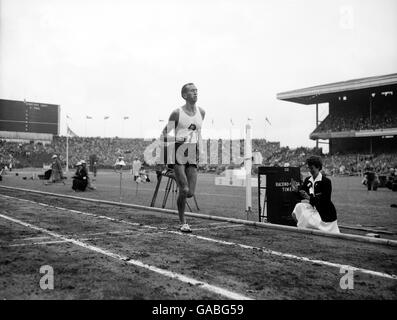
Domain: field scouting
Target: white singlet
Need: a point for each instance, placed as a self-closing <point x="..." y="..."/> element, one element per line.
<point x="188" y="127"/>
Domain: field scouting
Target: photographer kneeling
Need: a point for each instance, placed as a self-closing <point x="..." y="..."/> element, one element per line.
<point x="80" y="178"/>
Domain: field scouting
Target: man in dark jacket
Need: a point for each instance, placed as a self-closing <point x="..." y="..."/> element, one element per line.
<point x="369" y="174"/>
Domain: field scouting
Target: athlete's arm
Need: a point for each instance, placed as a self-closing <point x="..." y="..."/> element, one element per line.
<point x="200" y="138"/>
<point x="171" y="125"/>
<point x="202" y="113"/>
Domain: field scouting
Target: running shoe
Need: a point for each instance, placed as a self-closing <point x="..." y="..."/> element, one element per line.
<point x="185" y="228"/>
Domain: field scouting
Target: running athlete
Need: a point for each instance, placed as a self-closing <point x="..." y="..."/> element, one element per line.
<point x="186" y="121"/>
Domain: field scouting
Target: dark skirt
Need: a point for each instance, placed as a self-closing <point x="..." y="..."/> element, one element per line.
<point x="79" y="184"/>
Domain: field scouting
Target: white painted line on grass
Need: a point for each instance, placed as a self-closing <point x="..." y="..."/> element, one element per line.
<point x="262" y="249"/>
<point x="214" y="289"/>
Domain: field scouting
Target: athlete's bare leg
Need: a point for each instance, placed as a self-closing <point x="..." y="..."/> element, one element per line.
<point x="183" y="185"/>
<point x="191" y="174"/>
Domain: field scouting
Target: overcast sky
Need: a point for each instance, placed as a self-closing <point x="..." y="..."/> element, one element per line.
<point x="130" y="58"/>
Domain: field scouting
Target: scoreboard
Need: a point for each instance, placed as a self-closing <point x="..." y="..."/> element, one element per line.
<point x="31" y="117"/>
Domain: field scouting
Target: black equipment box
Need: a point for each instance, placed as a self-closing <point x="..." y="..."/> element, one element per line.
<point x="276" y="198"/>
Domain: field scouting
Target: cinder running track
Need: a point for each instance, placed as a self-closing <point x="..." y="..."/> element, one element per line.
<point x="109" y="252"/>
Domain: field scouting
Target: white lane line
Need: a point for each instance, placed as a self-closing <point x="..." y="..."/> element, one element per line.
<point x="32" y="238"/>
<point x="109" y="233"/>
<point x="47" y="242"/>
<point x="83" y="234"/>
<point x="163" y="190"/>
<point x="218" y="223"/>
<point x="84" y="239"/>
<point x="214" y="289"/>
<point x="264" y="250"/>
<point x="291" y="256"/>
<point x="218" y="227"/>
<point x="37" y="243"/>
<point x="136" y="224"/>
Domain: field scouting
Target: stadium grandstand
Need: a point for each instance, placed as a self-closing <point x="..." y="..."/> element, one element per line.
<point x="362" y="116"/>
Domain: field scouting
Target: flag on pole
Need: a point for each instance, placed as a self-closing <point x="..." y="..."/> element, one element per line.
<point x="231" y="121"/>
<point x="68" y="117"/>
<point x="268" y="121"/>
<point x="125" y="118"/>
<point x="70" y="132"/>
<point x="88" y="117"/>
<point x="106" y="117"/>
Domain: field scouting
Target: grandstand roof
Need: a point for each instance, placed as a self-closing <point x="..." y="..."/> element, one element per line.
<point x="326" y="92"/>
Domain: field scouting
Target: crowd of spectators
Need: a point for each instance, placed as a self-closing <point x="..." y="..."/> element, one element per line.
<point x="105" y="149"/>
<point x="353" y="122"/>
<point x="108" y="149"/>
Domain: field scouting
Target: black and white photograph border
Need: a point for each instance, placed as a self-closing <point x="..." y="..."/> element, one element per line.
<point x="196" y="155"/>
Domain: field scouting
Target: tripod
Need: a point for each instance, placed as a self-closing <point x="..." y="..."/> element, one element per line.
<point x="171" y="186"/>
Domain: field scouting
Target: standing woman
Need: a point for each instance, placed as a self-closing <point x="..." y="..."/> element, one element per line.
<point x="56" y="170"/>
<point x="316" y="210"/>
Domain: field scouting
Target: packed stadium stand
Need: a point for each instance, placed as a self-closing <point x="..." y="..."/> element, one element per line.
<point x="356" y="122"/>
<point x="362" y="115"/>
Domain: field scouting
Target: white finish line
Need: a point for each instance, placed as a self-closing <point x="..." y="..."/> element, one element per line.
<point x="214" y="289"/>
<point x="264" y="250"/>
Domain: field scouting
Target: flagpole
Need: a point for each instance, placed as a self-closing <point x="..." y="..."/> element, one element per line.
<point x="266" y="120"/>
<point x="248" y="168"/>
<point x="67" y="144"/>
<point x="124" y="118"/>
<point x="230" y="131"/>
<point x="67" y="151"/>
